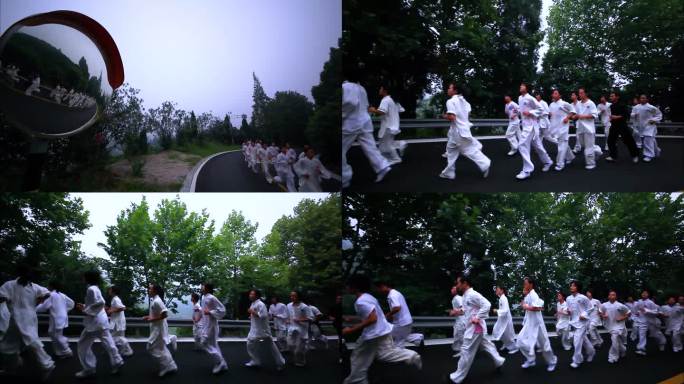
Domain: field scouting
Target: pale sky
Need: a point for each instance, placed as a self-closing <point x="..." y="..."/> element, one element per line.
<point x="543" y="47"/>
<point x="201" y="54"/>
<point x="262" y="208"/>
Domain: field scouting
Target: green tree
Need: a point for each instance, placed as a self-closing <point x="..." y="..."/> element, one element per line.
<point x="261" y="100"/>
<point x="324" y="130"/>
<point x="285" y="117"/>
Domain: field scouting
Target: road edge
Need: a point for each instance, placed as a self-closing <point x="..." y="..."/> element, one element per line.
<point x="190" y="182"/>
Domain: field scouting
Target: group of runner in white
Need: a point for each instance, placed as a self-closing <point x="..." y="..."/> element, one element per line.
<point x="531" y="120"/>
<point x="384" y="337"/>
<point x="307" y="166"/>
<point x="59" y="94"/>
<point x="297" y="327"/>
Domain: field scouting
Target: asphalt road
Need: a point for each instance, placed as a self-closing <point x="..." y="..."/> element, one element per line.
<point x="229" y="173"/>
<point x="423" y="162"/>
<point x="438" y="364"/>
<point x="193" y="367"/>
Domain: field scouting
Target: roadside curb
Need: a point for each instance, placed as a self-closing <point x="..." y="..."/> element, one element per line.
<point x="190" y="182"/>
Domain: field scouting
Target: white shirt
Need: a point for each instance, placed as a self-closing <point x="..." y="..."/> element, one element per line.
<point x="158" y="329"/>
<point x="299" y="311"/>
<point x="642" y="114"/>
<point x="563" y="317"/>
<point x="544" y="117"/>
<point x="595" y="317"/>
<point x="613" y="311"/>
<point x="512" y="111"/>
<point x="579" y="305"/>
<point x="457" y="303"/>
<point x="529" y="104"/>
<point x="403" y="317"/>
<point x="389" y="121"/>
<point x="646" y="312"/>
<point x="58" y="304"/>
<point x="459" y="107"/>
<point x="310" y="172"/>
<point x="278" y="312"/>
<point x="355" y="117"/>
<point x="259" y="327"/>
<point x="675" y="313"/>
<point x="558" y="111"/>
<point x="364" y="305"/>
<point x="117" y="321"/>
<point x="475" y="306"/>
<point x="604" y="113"/>
<point x="216" y="311"/>
<point x="587" y="108"/>
<point x="282" y="164"/>
<point x="95" y="316"/>
<point x="22" y="307"/>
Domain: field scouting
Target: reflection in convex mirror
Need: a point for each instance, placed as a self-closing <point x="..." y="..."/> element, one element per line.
<point x="54" y="79"/>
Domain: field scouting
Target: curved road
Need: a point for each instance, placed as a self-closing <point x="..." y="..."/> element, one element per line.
<point x="229" y="173"/>
<point x="423" y="163"/>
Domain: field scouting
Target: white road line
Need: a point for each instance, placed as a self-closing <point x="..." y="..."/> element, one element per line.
<point x="203" y="163"/>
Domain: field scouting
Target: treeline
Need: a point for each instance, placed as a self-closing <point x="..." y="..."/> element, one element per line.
<point x="490" y="47"/>
<point x="622" y="241"/>
<point x="177" y="248"/>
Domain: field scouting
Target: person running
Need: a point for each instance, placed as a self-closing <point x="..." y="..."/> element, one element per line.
<point x="560" y="113"/>
<point x="512" y="113"/>
<point x="544" y="124"/>
<point x="630" y="322"/>
<point x="586" y="114"/>
<point x="399" y="315"/>
<point x="580" y="309"/>
<point x="646" y="117"/>
<point x="212" y="311"/>
<point x="20" y="296"/>
<point x="357" y="126"/>
<point x="299" y="317"/>
<point x="117" y="322"/>
<point x="595" y="321"/>
<point x="529" y="137"/>
<point x="277" y="312"/>
<point x="459" y="323"/>
<point x="159" y="331"/>
<point x="375" y="342"/>
<point x="503" y="329"/>
<point x="563" y="322"/>
<point x="460" y="140"/>
<point x="259" y="339"/>
<point x="476" y="311"/>
<point x="389" y="125"/>
<point x="196" y="320"/>
<point x="619" y="115"/>
<point x="614" y="314"/>
<point x="605" y="112"/>
<point x="533" y="332"/>
<point x="95" y="326"/>
<point x="646" y="321"/>
<point x="310" y="171"/>
<point x="284" y="170"/>
<point x="58" y="304"/>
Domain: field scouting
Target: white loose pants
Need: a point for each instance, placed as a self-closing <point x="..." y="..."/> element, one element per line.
<point x="580" y="342"/>
<point x="512" y="134"/>
<point x="530" y="139"/>
<point x="470" y="347"/>
<point x="297" y="345"/>
<point x="263" y="349"/>
<point x="402" y="335"/>
<point x="60" y="344"/>
<point x="617" y="345"/>
<point x="459" y="329"/>
<point x="380" y="349"/>
<point x="160" y="353"/>
<point x="388" y="148"/>
<point x="646" y="330"/>
<point x="470" y="148"/>
<point x="367" y="142"/>
<point x="122" y="343"/>
<point x="85" y="350"/>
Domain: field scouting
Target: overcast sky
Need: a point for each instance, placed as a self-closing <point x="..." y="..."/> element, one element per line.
<point x="201" y="54"/>
<point x="262" y="208"/>
<point x="543" y="47"/>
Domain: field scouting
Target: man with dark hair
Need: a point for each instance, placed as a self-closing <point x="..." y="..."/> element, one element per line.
<point x="646" y="321"/>
<point x="460" y="139"/>
<point x="586" y="114"/>
<point x="580" y="309"/>
<point x="58" y="304"/>
<point x="117" y="322"/>
<point x="530" y="137"/>
<point x="533" y="332"/>
<point x="399" y="315"/>
<point x="212" y="311"/>
<point x="560" y="113"/>
<point x="299" y="318"/>
<point x="614" y="313"/>
<point x="159" y="331"/>
<point x="563" y="321"/>
<point x="619" y="115"/>
<point x="476" y="311"/>
<point x="389" y="126"/>
<point x="503" y="329"/>
<point x="375" y="342"/>
<point x="259" y="339"/>
<point x="646" y="117"/>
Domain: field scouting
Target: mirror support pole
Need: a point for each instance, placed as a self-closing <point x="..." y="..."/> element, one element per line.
<point x="36" y="160"/>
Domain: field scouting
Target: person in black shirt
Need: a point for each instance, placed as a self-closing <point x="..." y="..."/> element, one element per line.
<point x="618" y="120"/>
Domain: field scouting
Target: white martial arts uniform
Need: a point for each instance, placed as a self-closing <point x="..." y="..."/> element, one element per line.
<point x="58" y="305"/>
<point x="260" y="345"/>
<point x="618" y="332"/>
<point x="512" y="112"/>
<point x="253" y="158"/>
<point x="310" y="172"/>
<point x="646" y="321"/>
<point x="316" y="336"/>
<point x="375" y="343"/>
<point x="545" y="131"/>
<point x="474" y="337"/>
<point x="284" y="170"/>
<point x="402" y="322"/>
<point x="595" y="322"/>
<point x="211" y="330"/>
<point x="298" y="331"/>
<point x="563" y="325"/>
<point x="642" y="115"/>
<point x="117" y="325"/>
<point x="534" y="332"/>
<point x="278" y="312"/>
<point x="503" y="329"/>
<point x="460" y="140"/>
<point x="34" y="87"/>
<point x="588" y="128"/>
<point x="262" y="158"/>
<point x="633" y="333"/>
<point x="580" y="306"/>
<point x="529" y="134"/>
<point x="673" y="323"/>
<point x="559" y="111"/>
<point x="604" y="116"/>
<point x="389" y="128"/>
<point x="357" y="126"/>
<point x="96" y="326"/>
<point x="159" y="337"/>
<point x="22" y="331"/>
<point x="459" y="324"/>
<point x="197" y="325"/>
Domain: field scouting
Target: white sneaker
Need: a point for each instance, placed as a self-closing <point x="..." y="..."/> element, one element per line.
<point x="457" y="354"/>
<point x="444" y="176"/>
<point x="382" y="174"/>
<point x="635" y="159"/>
<point x="444" y="155"/>
<point x="523" y="175"/>
<point x="84" y="374"/>
<point x="590" y="358"/>
<point x="640" y="352"/>
<point x="513" y="351"/>
<point x="223" y="367"/>
<point x="558" y="168"/>
<point x="452" y="377"/>
<point x="395" y="162"/>
<point x="610" y="159"/>
<point x="574" y="365"/>
<point x="500" y="363"/>
<point x="547" y="167"/>
<point x="647" y="159"/>
<point x="550" y="367"/>
<point x="590" y="167"/>
<point x="528" y="364"/>
<point x="512" y="152"/>
<point x="485" y="174"/>
<point x="251" y="364"/>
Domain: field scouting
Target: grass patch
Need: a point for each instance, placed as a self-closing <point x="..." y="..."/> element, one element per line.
<point x="206" y="148"/>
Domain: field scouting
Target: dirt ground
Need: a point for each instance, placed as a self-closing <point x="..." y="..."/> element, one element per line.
<point x="164" y="168"/>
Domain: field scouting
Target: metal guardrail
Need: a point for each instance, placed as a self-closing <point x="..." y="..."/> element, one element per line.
<point x="448" y="322"/>
<point x="492" y="123"/>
